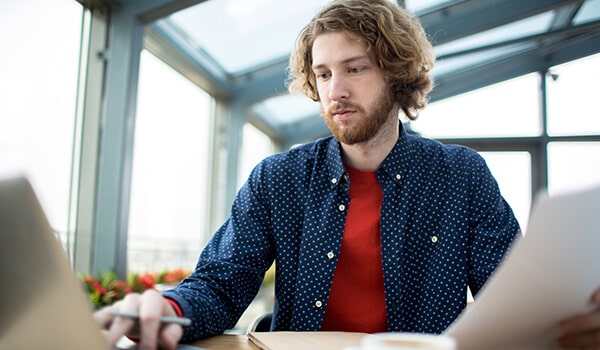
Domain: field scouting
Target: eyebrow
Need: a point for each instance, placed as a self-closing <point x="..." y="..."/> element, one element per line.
<point x="345" y="61"/>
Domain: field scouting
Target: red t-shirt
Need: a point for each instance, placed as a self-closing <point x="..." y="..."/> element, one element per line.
<point x="357" y="300"/>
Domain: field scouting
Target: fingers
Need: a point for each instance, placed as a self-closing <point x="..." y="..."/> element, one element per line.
<point x="581" y="323"/>
<point x="150" y="309"/>
<point x="596" y="297"/>
<point x="170" y="335"/>
<point x="581" y="331"/>
<point x="587" y="340"/>
<point x="150" y="306"/>
<point x="104" y="317"/>
<point x="121" y="326"/>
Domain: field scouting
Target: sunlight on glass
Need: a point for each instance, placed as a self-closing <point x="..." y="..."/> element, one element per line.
<point x="170" y="168"/>
<point x="512" y="170"/>
<point x="38" y="84"/>
<point x="256" y="145"/>
<point x="573" y="166"/>
<point x="573" y="101"/>
<point x="510" y="108"/>
<point x="240" y="33"/>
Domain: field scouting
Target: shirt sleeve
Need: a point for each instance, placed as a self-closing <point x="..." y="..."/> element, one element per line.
<point x="175" y="306"/>
<point x="492" y="225"/>
<point x="230" y="268"/>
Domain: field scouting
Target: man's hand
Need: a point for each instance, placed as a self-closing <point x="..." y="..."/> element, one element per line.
<point x="582" y="331"/>
<point x="148" y="329"/>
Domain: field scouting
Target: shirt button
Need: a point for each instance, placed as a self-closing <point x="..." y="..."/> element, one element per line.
<point x="330" y="255"/>
<point x="434" y="239"/>
<point x="398" y="176"/>
<point x="342" y="207"/>
<point x="318" y="303"/>
<point x="334" y="180"/>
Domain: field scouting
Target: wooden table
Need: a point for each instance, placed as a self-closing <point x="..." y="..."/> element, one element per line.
<point x="225" y="342"/>
<point x="283" y="341"/>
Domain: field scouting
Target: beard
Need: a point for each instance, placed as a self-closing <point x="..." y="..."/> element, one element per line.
<point x="366" y="127"/>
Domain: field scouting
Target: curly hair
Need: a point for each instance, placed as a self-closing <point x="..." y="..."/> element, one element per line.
<point x="395" y="40"/>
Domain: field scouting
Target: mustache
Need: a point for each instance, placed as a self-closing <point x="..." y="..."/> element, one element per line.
<point x="341" y="106"/>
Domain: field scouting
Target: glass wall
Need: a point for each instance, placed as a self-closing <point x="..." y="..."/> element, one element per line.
<point x="513" y="173"/>
<point x="170" y="170"/>
<point x="502" y="111"/>
<point x="573" y="166"/>
<point x="573" y="90"/>
<point x="39" y="69"/>
<point x="39" y="132"/>
<point x="507" y="121"/>
<point x="507" y="109"/>
<point x="256" y="145"/>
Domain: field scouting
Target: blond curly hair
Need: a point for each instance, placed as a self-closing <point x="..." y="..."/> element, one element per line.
<point x="395" y="40"/>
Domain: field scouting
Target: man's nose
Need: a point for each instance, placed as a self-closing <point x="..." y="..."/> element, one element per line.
<point x="338" y="88"/>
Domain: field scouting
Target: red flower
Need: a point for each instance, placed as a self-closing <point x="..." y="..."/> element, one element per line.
<point x="147" y="281"/>
<point x="98" y="287"/>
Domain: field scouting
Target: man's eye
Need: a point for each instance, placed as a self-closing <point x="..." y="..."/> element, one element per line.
<point x="354" y="70"/>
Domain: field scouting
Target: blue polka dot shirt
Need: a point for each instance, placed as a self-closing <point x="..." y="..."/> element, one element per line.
<point x="444" y="226"/>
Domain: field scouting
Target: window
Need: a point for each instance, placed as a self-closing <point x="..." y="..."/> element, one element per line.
<point x="573" y="90"/>
<point x="170" y="170"/>
<point x="512" y="170"/>
<point x="255" y="147"/>
<point x="572" y="166"/>
<point x="39" y="67"/>
<point x="510" y="108"/>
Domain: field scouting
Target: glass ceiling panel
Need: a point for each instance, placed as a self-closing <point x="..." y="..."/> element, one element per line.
<point x="519" y="29"/>
<point x="472" y="60"/>
<point x="418" y="6"/>
<point x="240" y="35"/>
<point x="286" y="109"/>
<point x="590" y="11"/>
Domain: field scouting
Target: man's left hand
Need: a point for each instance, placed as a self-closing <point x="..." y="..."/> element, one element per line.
<point x="582" y="331"/>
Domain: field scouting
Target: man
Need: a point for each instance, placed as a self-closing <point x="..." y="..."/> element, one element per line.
<point x="372" y="229"/>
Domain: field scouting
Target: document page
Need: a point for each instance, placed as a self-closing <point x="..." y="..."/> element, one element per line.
<point x="305" y="340"/>
<point x="548" y="275"/>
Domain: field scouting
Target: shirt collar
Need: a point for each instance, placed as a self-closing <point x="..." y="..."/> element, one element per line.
<point x="400" y="157"/>
<point x="396" y="163"/>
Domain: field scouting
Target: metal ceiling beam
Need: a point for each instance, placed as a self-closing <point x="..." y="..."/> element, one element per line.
<point x="564" y="16"/>
<point x="146" y="11"/>
<point x="541" y="58"/>
<point x="262" y="84"/>
<point x="505" y="68"/>
<point x="464" y="18"/>
<point x="166" y="8"/>
<point x="169" y="47"/>
<point x="445" y="23"/>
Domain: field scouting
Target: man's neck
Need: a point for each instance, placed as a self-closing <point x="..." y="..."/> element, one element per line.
<point x="369" y="155"/>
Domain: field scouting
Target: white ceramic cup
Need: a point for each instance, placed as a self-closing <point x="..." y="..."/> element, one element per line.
<point x="407" y="341"/>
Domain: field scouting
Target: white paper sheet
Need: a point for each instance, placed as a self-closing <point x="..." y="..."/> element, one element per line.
<point x="549" y="275"/>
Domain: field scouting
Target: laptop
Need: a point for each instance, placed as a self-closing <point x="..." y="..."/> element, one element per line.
<point x="42" y="303"/>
